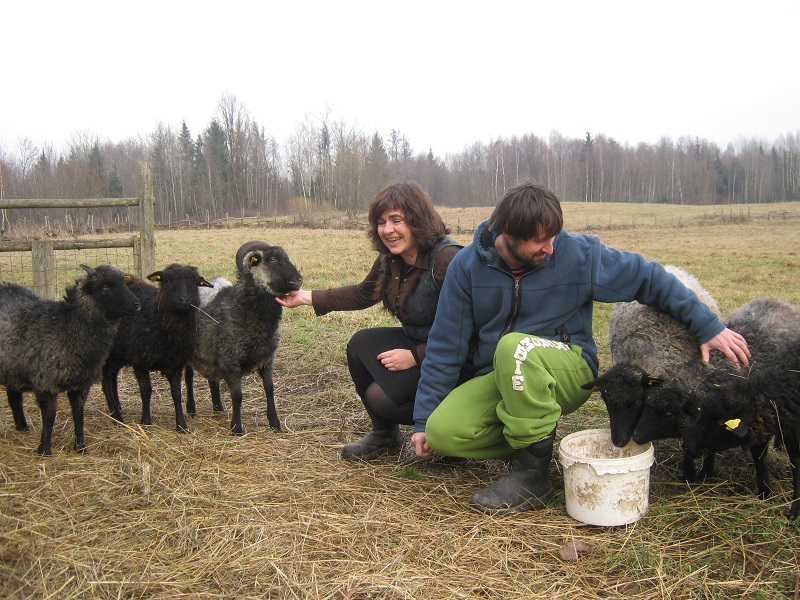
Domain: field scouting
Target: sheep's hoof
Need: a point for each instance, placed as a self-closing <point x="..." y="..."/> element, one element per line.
<point x="237" y="430"/>
<point x="276" y="428"/>
<point x="80" y="448"/>
<point x="182" y="428"/>
<point x="44" y="451"/>
<point x="23" y="427"/>
<point x="147" y="420"/>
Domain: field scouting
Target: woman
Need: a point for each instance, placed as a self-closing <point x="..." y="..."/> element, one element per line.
<point x="413" y="254"/>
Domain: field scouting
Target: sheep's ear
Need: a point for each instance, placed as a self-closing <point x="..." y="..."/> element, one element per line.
<point x="155" y="276"/>
<point x="592" y="385"/>
<point x="737" y="427"/>
<point x="204" y="283"/>
<point x="251" y="258"/>
<point x="89" y="270"/>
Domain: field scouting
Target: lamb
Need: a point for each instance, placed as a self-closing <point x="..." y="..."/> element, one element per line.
<point x="238" y="332"/>
<point x="748" y="411"/>
<point x="669" y="404"/>
<point x="159" y="338"/>
<point x="645" y="343"/>
<point x="50" y="346"/>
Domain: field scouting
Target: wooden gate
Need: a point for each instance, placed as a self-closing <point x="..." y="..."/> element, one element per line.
<point x="43" y="251"/>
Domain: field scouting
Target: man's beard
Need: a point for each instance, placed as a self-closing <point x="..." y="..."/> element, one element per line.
<point x="527" y="260"/>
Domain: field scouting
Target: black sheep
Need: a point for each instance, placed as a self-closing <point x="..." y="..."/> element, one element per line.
<point x="51" y="346"/>
<point x="159" y="338"/>
<point x="647" y="408"/>
<point x="238" y="330"/>
<point x="644" y="407"/>
<point x="748" y="411"/>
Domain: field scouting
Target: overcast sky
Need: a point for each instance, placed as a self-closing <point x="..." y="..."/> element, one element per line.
<point x="445" y="74"/>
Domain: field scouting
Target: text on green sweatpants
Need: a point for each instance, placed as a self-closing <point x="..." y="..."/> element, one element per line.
<point x="534" y="382"/>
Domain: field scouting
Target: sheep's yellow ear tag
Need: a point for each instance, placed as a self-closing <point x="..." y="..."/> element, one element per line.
<point x="127" y="278"/>
<point x="732" y="424"/>
<point x="653" y="380"/>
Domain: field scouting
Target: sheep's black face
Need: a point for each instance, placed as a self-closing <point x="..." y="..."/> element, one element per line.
<point x="621" y="388"/>
<point x="272" y="270"/>
<point x="179" y="287"/>
<point x="109" y="289"/>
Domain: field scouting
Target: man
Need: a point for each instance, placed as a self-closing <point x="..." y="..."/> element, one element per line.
<point x="516" y="305"/>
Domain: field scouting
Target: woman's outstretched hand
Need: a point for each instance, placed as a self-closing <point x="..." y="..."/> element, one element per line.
<point x="296" y="298"/>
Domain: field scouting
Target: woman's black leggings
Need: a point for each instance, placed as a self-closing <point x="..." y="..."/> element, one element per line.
<point x="388" y="396"/>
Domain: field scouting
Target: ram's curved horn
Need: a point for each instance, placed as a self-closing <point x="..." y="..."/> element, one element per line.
<point x="245" y="248"/>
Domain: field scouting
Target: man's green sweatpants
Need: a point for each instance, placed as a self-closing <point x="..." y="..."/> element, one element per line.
<point x="534" y="382"/>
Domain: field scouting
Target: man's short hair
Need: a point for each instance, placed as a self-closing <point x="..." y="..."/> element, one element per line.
<point x="527" y="211"/>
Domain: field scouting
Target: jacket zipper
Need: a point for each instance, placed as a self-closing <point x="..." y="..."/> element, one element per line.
<point x="515" y="299"/>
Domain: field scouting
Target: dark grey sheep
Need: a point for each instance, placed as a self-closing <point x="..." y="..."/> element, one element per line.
<point x="238" y="331"/>
<point x="646" y="344"/>
<point x="748" y="411"/>
<point x="50" y="346"/>
<point x="648" y="338"/>
<point x="161" y="337"/>
<point x="206" y="296"/>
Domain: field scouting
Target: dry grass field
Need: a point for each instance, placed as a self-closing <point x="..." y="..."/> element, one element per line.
<point x="151" y="513"/>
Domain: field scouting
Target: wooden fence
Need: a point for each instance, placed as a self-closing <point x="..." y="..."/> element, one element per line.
<point x="43" y="251"/>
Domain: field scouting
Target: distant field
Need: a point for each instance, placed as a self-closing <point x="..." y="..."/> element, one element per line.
<point x="150" y="513"/>
<point x="587" y="215"/>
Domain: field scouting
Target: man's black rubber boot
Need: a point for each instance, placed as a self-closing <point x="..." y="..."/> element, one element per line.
<point x="526" y="487"/>
<point x="383" y="439"/>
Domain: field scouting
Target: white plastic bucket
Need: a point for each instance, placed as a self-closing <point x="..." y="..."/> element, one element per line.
<point x="603" y="484"/>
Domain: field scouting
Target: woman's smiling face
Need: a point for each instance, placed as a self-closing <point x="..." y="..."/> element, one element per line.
<point x="396" y="235"/>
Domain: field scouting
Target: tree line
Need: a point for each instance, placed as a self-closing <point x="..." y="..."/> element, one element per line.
<point x="234" y="167"/>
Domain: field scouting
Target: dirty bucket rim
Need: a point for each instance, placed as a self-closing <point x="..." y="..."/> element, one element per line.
<point x="646" y="449"/>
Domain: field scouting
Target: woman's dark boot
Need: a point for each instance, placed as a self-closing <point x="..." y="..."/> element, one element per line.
<point x="383" y="439"/>
<point x="526" y="487"/>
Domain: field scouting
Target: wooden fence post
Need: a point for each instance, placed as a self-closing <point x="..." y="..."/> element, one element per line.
<point x="44" y="268"/>
<point x="147" y="219"/>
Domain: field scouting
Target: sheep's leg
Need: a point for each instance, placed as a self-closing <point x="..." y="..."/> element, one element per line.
<point x="77" y="401"/>
<point x="269" y="391"/>
<point x="235" y="388"/>
<point x="48" y="401"/>
<point x="174" y="379"/>
<point x="689" y="472"/>
<point x="759" y="454"/>
<point x="111" y="392"/>
<point x="146" y="391"/>
<point x="15" y="402"/>
<point x="707" y="470"/>
<point x="216" y="397"/>
<point x="191" y="407"/>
